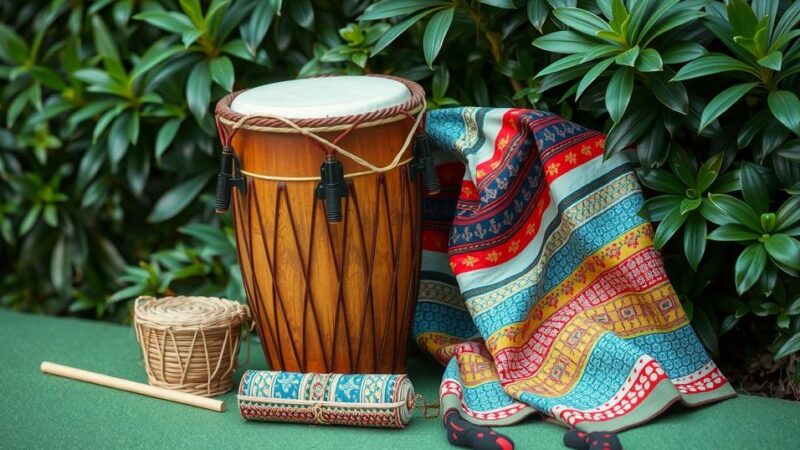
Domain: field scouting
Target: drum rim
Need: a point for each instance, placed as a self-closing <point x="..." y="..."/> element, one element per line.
<point x="227" y="115"/>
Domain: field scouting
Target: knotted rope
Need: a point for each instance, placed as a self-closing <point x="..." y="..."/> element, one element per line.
<point x="413" y="109"/>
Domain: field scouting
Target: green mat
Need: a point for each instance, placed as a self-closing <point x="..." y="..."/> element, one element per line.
<point x="43" y="411"/>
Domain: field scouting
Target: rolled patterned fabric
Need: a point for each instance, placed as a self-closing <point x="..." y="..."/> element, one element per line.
<point x="327" y="399"/>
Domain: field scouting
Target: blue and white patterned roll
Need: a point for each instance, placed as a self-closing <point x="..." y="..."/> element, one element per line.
<point x="360" y="400"/>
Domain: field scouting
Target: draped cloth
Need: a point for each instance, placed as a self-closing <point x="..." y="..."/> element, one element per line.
<point x="541" y="290"/>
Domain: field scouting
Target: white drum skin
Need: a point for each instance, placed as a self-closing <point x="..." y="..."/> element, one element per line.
<point x="315" y="98"/>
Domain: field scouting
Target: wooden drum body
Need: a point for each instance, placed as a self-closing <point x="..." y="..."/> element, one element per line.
<point x="329" y="296"/>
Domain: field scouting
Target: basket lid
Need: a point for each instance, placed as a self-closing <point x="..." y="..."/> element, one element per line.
<point x="188" y="312"/>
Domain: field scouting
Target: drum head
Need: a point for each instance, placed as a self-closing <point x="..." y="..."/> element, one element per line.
<point x="314" y="98"/>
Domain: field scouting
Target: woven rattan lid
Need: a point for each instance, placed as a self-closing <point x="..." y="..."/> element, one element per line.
<point x="188" y="312"/>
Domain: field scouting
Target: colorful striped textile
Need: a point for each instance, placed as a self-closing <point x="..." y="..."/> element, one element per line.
<point x="541" y="290"/>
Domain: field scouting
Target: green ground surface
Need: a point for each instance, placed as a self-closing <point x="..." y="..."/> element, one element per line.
<point x="42" y="411"/>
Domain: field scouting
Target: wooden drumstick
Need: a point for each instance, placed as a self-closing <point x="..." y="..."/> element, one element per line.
<point x="132" y="386"/>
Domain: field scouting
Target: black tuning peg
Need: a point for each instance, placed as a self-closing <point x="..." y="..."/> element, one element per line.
<point x="229" y="176"/>
<point x="332" y="188"/>
<point x="424" y="163"/>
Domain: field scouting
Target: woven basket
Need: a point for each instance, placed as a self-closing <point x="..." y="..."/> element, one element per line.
<point x="190" y="344"/>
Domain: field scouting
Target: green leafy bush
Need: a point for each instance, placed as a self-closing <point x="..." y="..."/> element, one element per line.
<point x="108" y="143"/>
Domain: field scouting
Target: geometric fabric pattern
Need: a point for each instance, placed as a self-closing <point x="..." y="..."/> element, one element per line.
<point x="541" y="291"/>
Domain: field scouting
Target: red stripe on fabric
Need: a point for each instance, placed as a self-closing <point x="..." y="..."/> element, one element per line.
<point x="644" y="381"/>
<point x="468" y="191"/>
<point x="510" y="248"/>
<point x="508" y="129"/>
<point x="573" y="157"/>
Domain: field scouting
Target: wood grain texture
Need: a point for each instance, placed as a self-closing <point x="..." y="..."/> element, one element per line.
<point x="330" y="297"/>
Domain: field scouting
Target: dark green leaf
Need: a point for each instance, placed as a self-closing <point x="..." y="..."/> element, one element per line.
<point x="733" y="232"/>
<point x="737" y="210"/>
<point x="768" y="280"/>
<point x="198" y="90"/>
<point x="138" y="171"/>
<point x="619" y="14"/>
<point x="618" y="93"/>
<point x="302" y="13"/>
<point x="785" y="106"/>
<point x="92" y="76"/>
<point x="435" y="33"/>
<point x="566" y="42"/>
<point x="255" y="28"/>
<point x="600" y="51"/>
<point x="672" y="22"/>
<point x="708" y="172"/>
<point x="174" y="201"/>
<point x="784" y="249"/>
<point x="60" y="266"/>
<point x="728" y="324"/>
<point x="683" y="165"/>
<point x="772" y="61"/>
<point x="653" y="148"/>
<point x="667" y="227"/>
<point x="581" y="20"/>
<point x="222" y="72"/>
<point x="694" y="239"/>
<point x="752" y="127"/>
<point x="103" y="39"/>
<point x="791" y="346"/>
<point x="649" y="61"/>
<point x="671" y="94"/>
<point x="628" y="57"/>
<point x="30" y="218"/>
<point x="682" y="52"/>
<point x="658" y="207"/>
<point x="705" y="330"/>
<point x="788" y="20"/>
<point x="537" y="13"/>
<point x="789" y="150"/>
<point x="629" y="129"/>
<point x="690" y="204"/>
<point x="754" y="188"/>
<point x="505" y="4"/>
<point x="743" y="20"/>
<point x="118" y="140"/>
<point x="711" y="64"/>
<point x="395" y="31"/>
<point x="173" y="22"/>
<point x="788" y="214"/>
<point x="392" y="8"/>
<point x="592" y="75"/>
<point x="12" y="47"/>
<point x="128" y="292"/>
<point x="723" y="101"/>
<point x="794" y="307"/>
<point x="166" y="134"/>
<point x="749" y="267"/>
<point x="152" y="58"/>
<point x="662" y="181"/>
<point x="562" y="64"/>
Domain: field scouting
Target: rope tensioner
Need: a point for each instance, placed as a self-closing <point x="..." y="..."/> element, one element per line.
<point x="229" y="176"/>
<point x="332" y="188"/>
<point x="423" y="162"/>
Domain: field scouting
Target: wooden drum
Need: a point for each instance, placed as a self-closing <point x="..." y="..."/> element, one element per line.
<point x="326" y="197"/>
